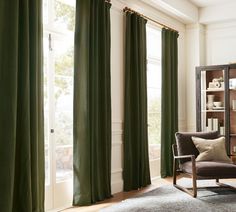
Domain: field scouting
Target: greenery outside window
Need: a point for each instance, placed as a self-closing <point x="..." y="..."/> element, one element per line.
<point x="154" y="97"/>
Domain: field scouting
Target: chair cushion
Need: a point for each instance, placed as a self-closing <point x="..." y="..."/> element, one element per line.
<point x="211" y="149"/>
<point x="212" y="169"/>
<point x="185" y="144"/>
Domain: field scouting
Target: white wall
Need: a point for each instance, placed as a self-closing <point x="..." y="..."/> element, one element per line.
<point x="211" y="44"/>
<point x="221" y="43"/>
<point x="222" y="12"/>
<point x="117" y="97"/>
<point x="117" y="77"/>
<point x="195" y="56"/>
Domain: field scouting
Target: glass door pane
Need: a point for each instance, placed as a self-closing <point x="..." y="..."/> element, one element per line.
<point x="48" y="124"/>
<point x="46" y="111"/>
<point x="154" y="103"/>
<point x="154" y="98"/>
<point x="64" y="18"/>
<point x="63" y="104"/>
<point x="59" y="18"/>
<point x="154" y="116"/>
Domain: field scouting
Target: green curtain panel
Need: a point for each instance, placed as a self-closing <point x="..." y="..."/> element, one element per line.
<point x="136" y="172"/>
<point x="21" y="107"/>
<point x="169" y="101"/>
<point x="92" y="103"/>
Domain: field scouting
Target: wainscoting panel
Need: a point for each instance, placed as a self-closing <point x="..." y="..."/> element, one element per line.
<point x="117" y="157"/>
<point x="155" y="168"/>
<point x="116" y="181"/>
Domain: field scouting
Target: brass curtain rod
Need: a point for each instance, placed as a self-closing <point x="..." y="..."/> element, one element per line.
<point x="127" y="9"/>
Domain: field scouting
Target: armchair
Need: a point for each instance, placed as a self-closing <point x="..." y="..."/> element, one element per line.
<point x="185" y="153"/>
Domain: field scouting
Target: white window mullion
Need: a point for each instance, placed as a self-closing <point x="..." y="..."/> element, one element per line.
<point x="51" y="74"/>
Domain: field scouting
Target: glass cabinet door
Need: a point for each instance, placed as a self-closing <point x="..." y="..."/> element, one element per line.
<point x="216" y="102"/>
<point x="213" y="101"/>
<point x="232" y="113"/>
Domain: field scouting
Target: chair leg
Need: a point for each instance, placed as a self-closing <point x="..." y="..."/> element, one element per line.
<point x="224" y="185"/>
<point x="174" y="172"/>
<point x="194" y="185"/>
<point x="194" y="181"/>
<point x="188" y="191"/>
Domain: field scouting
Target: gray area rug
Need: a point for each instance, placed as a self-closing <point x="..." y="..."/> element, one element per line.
<point x="168" y="199"/>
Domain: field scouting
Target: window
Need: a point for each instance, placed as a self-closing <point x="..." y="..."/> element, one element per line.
<point x="154" y="96"/>
<point x="58" y="20"/>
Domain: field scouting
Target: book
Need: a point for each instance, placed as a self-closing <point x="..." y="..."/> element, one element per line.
<point x="222" y="130"/>
<point x="209" y="124"/>
<point x="215" y="124"/>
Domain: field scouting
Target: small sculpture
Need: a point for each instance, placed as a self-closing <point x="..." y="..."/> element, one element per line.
<point x="217" y="83"/>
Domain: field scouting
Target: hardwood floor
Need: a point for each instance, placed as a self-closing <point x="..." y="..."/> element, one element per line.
<point x="119" y="197"/>
<point x="124" y="195"/>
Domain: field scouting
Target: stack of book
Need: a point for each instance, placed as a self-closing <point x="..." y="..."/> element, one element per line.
<point x="213" y="125"/>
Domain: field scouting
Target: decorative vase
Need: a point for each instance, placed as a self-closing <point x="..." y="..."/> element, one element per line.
<point x="210" y="100"/>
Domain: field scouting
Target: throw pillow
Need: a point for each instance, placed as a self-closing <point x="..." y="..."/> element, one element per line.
<point x="211" y="149"/>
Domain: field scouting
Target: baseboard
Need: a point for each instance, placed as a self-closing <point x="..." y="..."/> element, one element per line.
<point x="155" y="179"/>
<point x="117" y="186"/>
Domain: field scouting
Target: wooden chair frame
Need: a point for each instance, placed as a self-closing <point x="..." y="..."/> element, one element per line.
<point x="194" y="176"/>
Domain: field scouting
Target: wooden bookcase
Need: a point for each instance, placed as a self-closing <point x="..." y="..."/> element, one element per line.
<point x="216" y="108"/>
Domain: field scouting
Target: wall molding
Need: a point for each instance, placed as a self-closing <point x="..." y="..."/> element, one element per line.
<point x="223" y="25"/>
<point x="117" y="6"/>
<point x="151" y="12"/>
<point x="155" y="160"/>
<point x="115" y="171"/>
<point x="117" y="143"/>
<point x="221" y="34"/>
<point x="117" y="124"/>
<point x="117" y="132"/>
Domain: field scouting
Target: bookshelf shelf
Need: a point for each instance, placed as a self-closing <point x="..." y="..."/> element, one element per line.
<point x="213" y="111"/>
<point x="217" y="84"/>
<point x="213" y="90"/>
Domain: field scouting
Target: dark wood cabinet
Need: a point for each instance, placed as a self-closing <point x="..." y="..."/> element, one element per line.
<point x="216" y="102"/>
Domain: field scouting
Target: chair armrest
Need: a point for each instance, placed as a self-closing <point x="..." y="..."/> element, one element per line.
<point x="185" y="156"/>
<point x="193" y="161"/>
<point x="176" y="156"/>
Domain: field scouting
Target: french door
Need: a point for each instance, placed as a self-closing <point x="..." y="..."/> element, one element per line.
<point x="58" y="102"/>
<point x="154" y="98"/>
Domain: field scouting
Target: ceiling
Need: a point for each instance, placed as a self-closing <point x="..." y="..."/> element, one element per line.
<point x="195" y="11"/>
<point x="207" y="3"/>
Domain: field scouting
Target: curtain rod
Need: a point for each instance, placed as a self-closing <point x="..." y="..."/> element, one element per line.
<point x="127" y="9"/>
